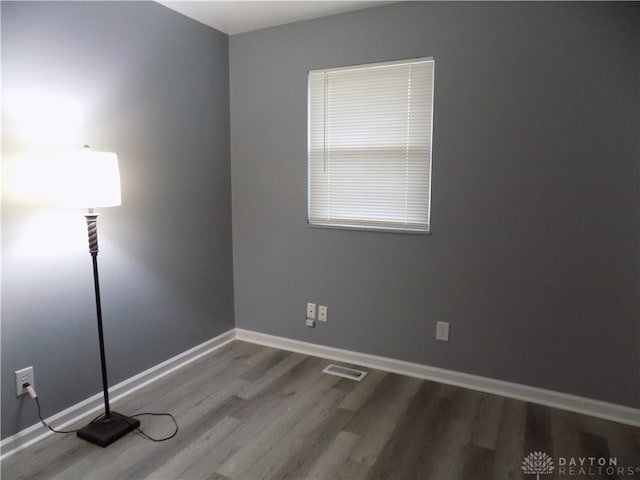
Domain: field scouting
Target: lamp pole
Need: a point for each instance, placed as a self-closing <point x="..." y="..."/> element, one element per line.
<point x="92" y="230"/>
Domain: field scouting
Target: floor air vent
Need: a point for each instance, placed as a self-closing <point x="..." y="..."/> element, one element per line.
<point x="346" y="372"/>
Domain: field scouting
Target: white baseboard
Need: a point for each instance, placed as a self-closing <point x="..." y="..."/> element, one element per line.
<point x="564" y="401"/>
<point x="587" y="406"/>
<point x="37" y="432"/>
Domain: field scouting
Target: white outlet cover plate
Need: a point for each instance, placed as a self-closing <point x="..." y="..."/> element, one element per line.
<point x="311" y="310"/>
<point x="24" y="376"/>
<point x="442" y="331"/>
<point x="322" y="313"/>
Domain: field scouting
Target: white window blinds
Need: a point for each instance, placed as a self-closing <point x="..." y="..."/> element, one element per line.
<point x="370" y="145"/>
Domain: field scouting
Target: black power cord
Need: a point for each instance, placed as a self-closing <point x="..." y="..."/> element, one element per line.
<point x="33" y="395"/>
<point x="175" y="432"/>
<point x="42" y="420"/>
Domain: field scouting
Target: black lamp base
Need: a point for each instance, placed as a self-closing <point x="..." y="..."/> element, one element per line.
<point x="108" y="429"/>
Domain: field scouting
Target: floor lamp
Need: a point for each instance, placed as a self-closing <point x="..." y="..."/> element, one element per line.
<point x="92" y="180"/>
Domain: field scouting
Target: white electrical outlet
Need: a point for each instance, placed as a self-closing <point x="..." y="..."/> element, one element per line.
<point x="442" y="331"/>
<point x="311" y="310"/>
<point x="24" y="376"/>
<point x="311" y="322"/>
<point x="322" y="313"/>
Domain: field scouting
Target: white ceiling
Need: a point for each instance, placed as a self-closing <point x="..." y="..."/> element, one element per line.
<point x="239" y="16"/>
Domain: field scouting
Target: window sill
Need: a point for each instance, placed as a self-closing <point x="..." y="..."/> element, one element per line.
<point x="363" y="228"/>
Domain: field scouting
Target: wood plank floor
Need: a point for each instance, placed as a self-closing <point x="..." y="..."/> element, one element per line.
<point x="247" y="412"/>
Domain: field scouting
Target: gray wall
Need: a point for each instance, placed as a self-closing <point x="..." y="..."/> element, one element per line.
<point x="534" y="257"/>
<point x="154" y="85"/>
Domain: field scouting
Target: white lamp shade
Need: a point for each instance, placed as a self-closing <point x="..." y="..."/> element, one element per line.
<point x="90" y="179"/>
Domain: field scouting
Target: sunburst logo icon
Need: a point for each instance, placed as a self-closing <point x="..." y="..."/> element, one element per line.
<point x="537" y="463"/>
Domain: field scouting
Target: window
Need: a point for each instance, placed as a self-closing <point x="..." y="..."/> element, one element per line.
<point x="370" y="146"/>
